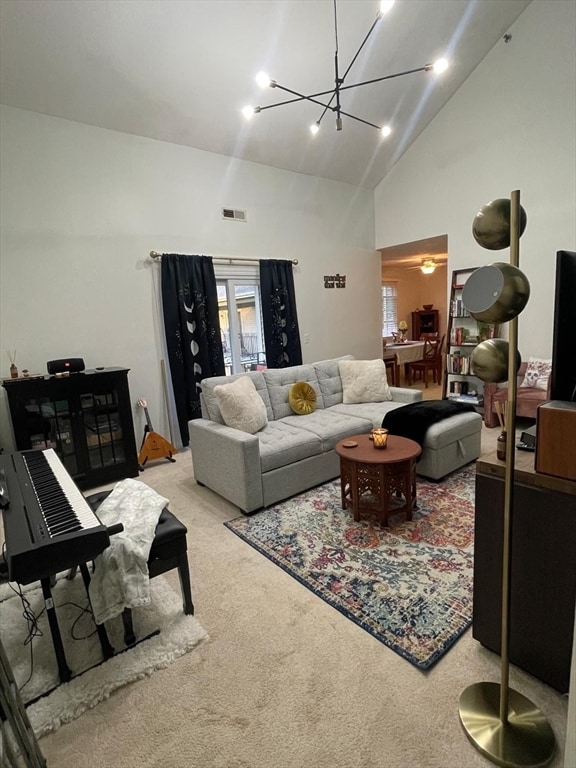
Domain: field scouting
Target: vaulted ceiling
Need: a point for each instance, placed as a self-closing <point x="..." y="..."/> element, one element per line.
<point x="181" y="70"/>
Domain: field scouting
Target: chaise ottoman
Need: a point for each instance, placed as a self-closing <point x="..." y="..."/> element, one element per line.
<point x="450" y="444"/>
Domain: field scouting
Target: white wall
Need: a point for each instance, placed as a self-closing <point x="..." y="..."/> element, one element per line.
<point x="82" y="207"/>
<point x="512" y="125"/>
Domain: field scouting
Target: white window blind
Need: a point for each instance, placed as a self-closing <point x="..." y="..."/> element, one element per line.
<point x="389" y="308"/>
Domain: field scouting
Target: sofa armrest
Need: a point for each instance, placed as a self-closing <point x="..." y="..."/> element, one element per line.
<point x="227" y="461"/>
<point x="405" y="395"/>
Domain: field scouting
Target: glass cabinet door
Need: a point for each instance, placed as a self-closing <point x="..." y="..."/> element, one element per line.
<point x="48" y="423"/>
<point x="102" y="429"/>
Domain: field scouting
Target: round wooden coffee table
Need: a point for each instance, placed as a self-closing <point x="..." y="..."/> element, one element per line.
<point x="378" y="482"/>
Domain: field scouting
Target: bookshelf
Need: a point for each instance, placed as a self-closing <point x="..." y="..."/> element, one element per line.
<point x="462" y="335"/>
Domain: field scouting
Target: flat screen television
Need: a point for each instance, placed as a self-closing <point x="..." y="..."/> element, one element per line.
<point x="563" y="376"/>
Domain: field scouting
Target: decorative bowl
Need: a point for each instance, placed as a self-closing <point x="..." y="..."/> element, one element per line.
<point x="428" y="306"/>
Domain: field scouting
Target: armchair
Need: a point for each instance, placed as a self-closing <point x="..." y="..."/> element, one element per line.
<point x="527" y="399"/>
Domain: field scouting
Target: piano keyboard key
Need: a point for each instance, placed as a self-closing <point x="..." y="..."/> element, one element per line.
<point x="63" y="506"/>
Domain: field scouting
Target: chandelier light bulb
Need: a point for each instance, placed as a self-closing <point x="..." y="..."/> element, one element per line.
<point x="441" y="65"/>
<point x="385" y="6"/>
<point x="385" y="131"/>
<point x="248" y="112"/>
<point x="263" y="80"/>
<point x="314" y="128"/>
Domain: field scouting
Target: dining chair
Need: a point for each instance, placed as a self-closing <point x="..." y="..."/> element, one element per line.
<point x="431" y="361"/>
<point x="424" y="336"/>
<point x="390" y="362"/>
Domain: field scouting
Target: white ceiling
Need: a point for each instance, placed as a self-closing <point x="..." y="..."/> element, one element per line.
<point x="181" y="70"/>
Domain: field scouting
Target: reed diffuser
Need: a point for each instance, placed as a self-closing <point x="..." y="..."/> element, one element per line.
<point x="13" y="368"/>
<point x="502" y="414"/>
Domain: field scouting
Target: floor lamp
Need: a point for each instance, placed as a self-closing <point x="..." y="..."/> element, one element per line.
<point x="501" y="723"/>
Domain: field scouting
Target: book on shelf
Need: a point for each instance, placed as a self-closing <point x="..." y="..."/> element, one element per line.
<point x="463" y="389"/>
<point x="466" y="399"/>
<point x="458" y="364"/>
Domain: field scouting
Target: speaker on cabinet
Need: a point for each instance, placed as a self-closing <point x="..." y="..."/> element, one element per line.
<point x="67" y="364"/>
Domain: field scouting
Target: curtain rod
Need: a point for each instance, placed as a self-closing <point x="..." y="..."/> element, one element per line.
<point x="228" y="259"/>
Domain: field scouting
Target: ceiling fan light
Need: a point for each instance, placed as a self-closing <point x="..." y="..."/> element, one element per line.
<point x="385" y="131"/>
<point x="428" y="266"/>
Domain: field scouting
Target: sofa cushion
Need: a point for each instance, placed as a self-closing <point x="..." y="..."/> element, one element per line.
<point x="372" y="412"/>
<point x="364" y="381"/>
<point x="330" y="426"/>
<point x="329" y="381"/>
<point x="282" y="444"/>
<point x="302" y="398"/>
<point x="210" y="406"/>
<point x="241" y="406"/>
<point x="279" y="381"/>
<point x="537" y="373"/>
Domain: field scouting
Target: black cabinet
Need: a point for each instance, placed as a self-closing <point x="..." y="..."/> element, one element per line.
<point x="86" y="417"/>
<point x="542" y="573"/>
<point x="425" y="321"/>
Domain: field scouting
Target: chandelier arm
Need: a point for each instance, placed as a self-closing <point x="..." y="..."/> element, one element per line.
<point x="376" y="20"/>
<point x="280" y="103"/>
<point x="359" y="119"/>
<point x="425" y="68"/>
<point x="300" y="97"/>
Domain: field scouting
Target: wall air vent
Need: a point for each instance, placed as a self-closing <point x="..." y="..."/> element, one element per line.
<point x="233" y="214"/>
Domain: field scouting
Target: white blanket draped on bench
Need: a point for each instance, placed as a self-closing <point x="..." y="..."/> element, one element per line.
<point x="120" y="578"/>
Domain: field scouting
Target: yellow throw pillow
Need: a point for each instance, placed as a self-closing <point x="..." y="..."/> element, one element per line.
<point x="302" y="398"/>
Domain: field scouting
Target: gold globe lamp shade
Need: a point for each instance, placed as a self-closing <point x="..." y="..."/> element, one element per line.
<point x="491" y="226"/>
<point x="489" y="361"/>
<point x="496" y="293"/>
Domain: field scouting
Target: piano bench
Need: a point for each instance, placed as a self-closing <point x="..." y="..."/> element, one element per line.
<point x="168" y="549"/>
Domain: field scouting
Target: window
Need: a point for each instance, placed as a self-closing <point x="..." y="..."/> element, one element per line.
<point x="389" y="309"/>
<point x="240" y="318"/>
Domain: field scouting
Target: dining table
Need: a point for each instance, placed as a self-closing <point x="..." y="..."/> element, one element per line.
<point x="403" y="354"/>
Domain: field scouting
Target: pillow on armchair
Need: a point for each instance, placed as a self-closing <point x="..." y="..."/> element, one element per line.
<point x="537" y="373"/>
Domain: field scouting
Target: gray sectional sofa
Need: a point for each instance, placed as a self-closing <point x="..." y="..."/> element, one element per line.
<point x="295" y="452"/>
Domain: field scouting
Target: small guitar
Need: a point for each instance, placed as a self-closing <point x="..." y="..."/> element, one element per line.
<point x="154" y="446"/>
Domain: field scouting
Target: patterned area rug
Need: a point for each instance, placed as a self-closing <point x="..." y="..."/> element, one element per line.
<point x="409" y="585"/>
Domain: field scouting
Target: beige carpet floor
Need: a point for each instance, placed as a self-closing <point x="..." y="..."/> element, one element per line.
<point x="285" y="681"/>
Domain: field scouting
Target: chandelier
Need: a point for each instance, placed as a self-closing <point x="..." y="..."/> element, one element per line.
<point x="334" y="104"/>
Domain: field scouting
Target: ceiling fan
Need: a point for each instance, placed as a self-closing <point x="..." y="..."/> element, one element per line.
<point x="427" y="264"/>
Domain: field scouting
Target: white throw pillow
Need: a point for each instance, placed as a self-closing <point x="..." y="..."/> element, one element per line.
<point x="364" y="381"/>
<point x="241" y="406"/>
<point x="537" y="373"/>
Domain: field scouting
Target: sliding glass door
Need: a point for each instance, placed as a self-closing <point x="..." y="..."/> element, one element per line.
<point x="240" y="324"/>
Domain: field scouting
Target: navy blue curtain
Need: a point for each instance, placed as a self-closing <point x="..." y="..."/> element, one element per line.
<point x="279" y="316"/>
<point x="190" y="307"/>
